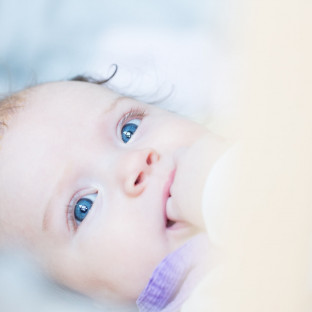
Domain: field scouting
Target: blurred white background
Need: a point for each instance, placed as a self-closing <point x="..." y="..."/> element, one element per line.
<point x="158" y="45"/>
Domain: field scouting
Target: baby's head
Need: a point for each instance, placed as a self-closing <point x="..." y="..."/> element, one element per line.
<point x="94" y="182"/>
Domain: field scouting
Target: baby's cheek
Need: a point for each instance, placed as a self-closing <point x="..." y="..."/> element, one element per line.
<point x="123" y="258"/>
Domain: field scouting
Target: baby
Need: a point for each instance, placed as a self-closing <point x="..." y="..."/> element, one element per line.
<point x="99" y="186"/>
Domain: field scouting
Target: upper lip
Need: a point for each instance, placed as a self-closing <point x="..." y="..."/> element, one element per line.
<point x="167" y="192"/>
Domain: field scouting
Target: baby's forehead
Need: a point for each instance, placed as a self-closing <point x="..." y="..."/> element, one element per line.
<point x="53" y="94"/>
<point x="64" y="92"/>
<point x="60" y="100"/>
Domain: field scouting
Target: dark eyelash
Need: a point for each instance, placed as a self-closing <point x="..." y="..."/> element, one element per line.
<point x="71" y="223"/>
<point x="138" y="113"/>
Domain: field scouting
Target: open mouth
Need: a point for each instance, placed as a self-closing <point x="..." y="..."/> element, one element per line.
<point x="170" y="223"/>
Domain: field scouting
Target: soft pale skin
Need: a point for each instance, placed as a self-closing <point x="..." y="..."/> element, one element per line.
<point x="65" y="143"/>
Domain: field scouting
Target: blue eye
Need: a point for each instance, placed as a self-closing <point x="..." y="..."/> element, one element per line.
<point x="129" y="129"/>
<point x="82" y="208"/>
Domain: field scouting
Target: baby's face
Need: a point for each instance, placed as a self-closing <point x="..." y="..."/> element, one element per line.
<point x="86" y="177"/>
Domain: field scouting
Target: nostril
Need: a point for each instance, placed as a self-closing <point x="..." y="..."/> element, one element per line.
<point x="139" y="179"/>
<point x="151" y="158"/>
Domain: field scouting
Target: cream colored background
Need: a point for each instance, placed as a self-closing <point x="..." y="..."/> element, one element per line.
<point x="266" y="179"/>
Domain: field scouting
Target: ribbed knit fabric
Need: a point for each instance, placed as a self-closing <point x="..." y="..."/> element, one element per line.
<point x="176" y="276"/>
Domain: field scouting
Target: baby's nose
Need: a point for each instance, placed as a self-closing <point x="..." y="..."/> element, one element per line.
<point x="136" y="167"/>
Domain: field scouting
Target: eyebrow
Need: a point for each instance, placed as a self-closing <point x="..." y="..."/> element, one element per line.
<point x="62" y="181"/>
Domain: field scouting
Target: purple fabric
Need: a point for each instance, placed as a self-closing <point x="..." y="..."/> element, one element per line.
<point x="176" y="276"/>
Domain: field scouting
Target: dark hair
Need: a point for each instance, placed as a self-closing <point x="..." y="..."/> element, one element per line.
<point x="86" y="78"/>
<point x="153" y="99"/>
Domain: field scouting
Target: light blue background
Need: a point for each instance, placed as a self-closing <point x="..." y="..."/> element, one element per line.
<point x="157" y="44"/>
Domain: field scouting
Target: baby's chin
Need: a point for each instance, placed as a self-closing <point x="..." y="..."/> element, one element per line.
<point x="193" y="166"/>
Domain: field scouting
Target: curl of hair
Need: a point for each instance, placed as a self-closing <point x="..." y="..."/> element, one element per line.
<point x="85" y="78"/>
